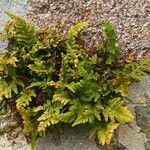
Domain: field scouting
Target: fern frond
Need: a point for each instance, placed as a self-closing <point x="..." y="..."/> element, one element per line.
<point x="74" y="31"/>
<point x="8" y="59"/>
<point x="21" y="31"/>
<point x="88" y="113"/>
<point x="109" y="30"/>
<point x="121" y="83"/>
<point x="6" y="89"/>
<point x="139" y="69"/>
<point x="25" y="98"/>
<point x="39" y="68"/>
<point x="105" y="132"/>
<point x="60" y="97"/>
<point x="50" y="116"/>
<point x="112" y="51"/>
<point x="85" y="116"/>
<point x="26" y="116"/>
<point x="116" y="111"/>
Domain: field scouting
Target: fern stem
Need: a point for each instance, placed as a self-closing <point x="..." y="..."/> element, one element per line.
<point x="33" y="142"/>
<point x="137" y="68"/>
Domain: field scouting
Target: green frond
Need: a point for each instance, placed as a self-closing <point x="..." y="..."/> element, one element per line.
<point x="87" y="114"/>
<point x="74" y="31"/>
<point x="6" y="89"/>
<point x="8" y="59"/>
<point x="20" y="32"/>
<point x="139" y="69"/>
<point x="105" y="132"/>
<point x="109" y="30"/>
<point x="50" y="117"/>
<point x="116" y="111"/>
<point x="111" y="49"/>
<point x="60" y="97"/>
<point x="25" y="98"/>
<point x="68" y="117"/>
<point x="36" y="84"/>
<point x="86" y="117"/>
<point x="121" y="83"/>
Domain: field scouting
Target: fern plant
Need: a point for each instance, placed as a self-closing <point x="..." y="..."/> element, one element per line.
<point x="49" y="79"/>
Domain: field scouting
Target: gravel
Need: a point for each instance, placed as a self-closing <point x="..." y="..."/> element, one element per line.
<point x="130" y="17"/>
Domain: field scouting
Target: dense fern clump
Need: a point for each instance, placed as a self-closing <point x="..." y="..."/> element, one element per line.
<point x="50" y="79"/>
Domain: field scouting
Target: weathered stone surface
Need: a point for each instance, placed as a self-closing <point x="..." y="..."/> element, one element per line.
<point x="147" y="145"/>
<point x="7" y="124"/>
<point x="18" y="143"/>
<point x="19" y="7"/>
<point x="140" y="91"/>
<point x="131" y="139"/>
<point x="130" y="135"/>
<point x="114" y="145"/>
<point x="11" y="136"/>
<point x="70" y="139"/>
<point x="143" y="119"/>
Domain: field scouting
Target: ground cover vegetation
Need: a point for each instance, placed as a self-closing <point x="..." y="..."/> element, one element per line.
<point x="48" y="79"/>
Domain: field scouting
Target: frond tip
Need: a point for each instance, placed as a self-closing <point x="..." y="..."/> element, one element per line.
<point x="105" y="132"/>
<point x="74" y="31"/>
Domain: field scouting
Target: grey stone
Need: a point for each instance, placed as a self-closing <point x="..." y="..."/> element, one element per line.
<point x="19" y="7"/>
<point x="147" y="145"/>
<point x="131" y="139"/>
<point x="71" y="139"/>
<point x="7" y="123"/>
<point x="140" y="91"/>
<point x="130" y="135"/>
<point x="18" y="143"/>
<point x="143" y="119"/>
<point x="114" y="145"/>
<point x="11" y="136"/>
